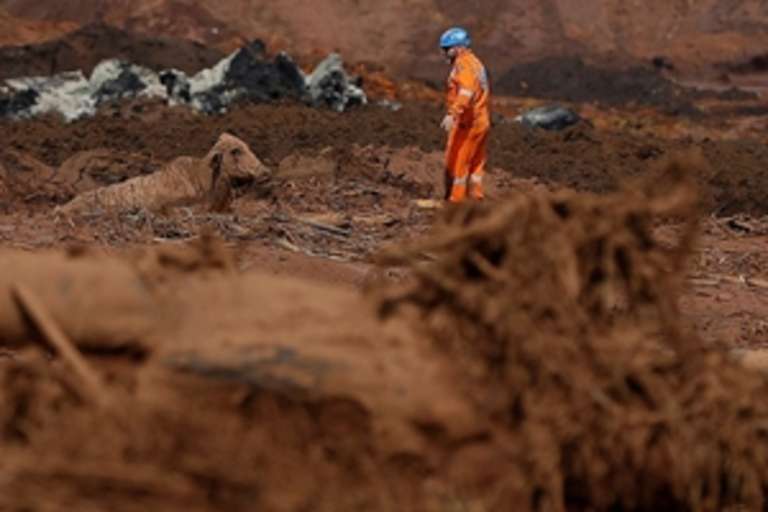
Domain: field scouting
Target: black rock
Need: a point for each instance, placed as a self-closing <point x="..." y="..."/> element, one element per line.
<point x="290" y="72"/>
<point x="261" y="80"/>
<point x="176" y="85"/>
<point x="126" y="84"/>
<point x="18" y="102"/>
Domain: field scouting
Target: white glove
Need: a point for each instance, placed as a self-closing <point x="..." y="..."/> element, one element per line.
<point x="447" y="123"/>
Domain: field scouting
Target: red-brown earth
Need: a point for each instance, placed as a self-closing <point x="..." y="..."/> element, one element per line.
<point x="559" y="351"/>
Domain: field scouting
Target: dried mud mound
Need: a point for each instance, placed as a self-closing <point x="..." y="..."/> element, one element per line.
<point x="535" y="362"/>
<point x="561" y="312"/>
<point x="272" y="131"/>
<point x="28" y="181"/>
<point x="91" y="44"/>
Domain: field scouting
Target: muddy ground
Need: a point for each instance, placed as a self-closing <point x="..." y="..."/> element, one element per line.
<point x="295" y="365"/>
<point x="333" y="340"/>
<point x="362" y="171"/>
<point x="328" y="337"/>
<point x="582" y="157"/>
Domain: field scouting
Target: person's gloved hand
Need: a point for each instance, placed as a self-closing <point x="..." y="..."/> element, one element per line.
<point x="447" y="123"/>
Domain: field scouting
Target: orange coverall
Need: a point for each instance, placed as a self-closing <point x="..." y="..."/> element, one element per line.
<point x="467" y="101"/>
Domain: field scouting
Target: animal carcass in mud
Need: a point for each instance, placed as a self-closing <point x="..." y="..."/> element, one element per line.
<point x="183" y="181"/>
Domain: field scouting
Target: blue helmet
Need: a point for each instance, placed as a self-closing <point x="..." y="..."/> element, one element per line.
<point x="455" y="36"/>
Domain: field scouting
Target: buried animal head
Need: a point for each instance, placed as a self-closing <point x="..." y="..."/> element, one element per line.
<point x="233" y="159"/>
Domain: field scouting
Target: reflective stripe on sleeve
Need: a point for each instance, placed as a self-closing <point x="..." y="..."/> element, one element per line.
<point x="466" y="92"/>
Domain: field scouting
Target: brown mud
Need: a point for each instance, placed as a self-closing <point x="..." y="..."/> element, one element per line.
<point x="337" y="340"/>
<point x="582" y="157"/>
<point x="19" y="31"/>
<point x="533" y="359"/>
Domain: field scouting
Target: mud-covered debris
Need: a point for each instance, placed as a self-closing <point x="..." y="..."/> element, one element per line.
<point x="114" y="80"/>
<point x="532" y="359"/>
<point x="562" y="310"/>
<point x="245" y="75"/>
<point x="98" y="302"/>
<point x="394" y="106"/>
<point x="330" y="86"/>
<point x="74" y="96"/>
<point x="67" y="94"/>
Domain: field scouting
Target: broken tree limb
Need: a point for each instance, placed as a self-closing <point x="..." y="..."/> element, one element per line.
<point x="92" y="389"/>
<point x="324" y="227"/>
<point x="716" y="279"/>
<point x="98" y="301"/>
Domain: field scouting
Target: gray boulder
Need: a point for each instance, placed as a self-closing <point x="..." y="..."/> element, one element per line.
<point x="549" y="117"/>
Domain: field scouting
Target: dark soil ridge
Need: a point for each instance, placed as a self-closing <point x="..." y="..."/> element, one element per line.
<point x="83" y="49"/>
<point x="582" y="158"/>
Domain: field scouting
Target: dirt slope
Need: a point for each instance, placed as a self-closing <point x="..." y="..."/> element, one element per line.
<point x="84" y="48"/>
<point x="17" y="31"/>
<point x="401" y="33"/>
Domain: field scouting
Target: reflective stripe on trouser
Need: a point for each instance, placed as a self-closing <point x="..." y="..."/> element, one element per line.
<point x="476" y="186"/>
<point x="465" y="158"/>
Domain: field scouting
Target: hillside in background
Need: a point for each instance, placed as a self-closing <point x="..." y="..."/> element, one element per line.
<point x="697" y="37"/>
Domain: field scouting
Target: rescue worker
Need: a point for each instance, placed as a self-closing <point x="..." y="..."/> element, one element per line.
<point x="468" y="119"/>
